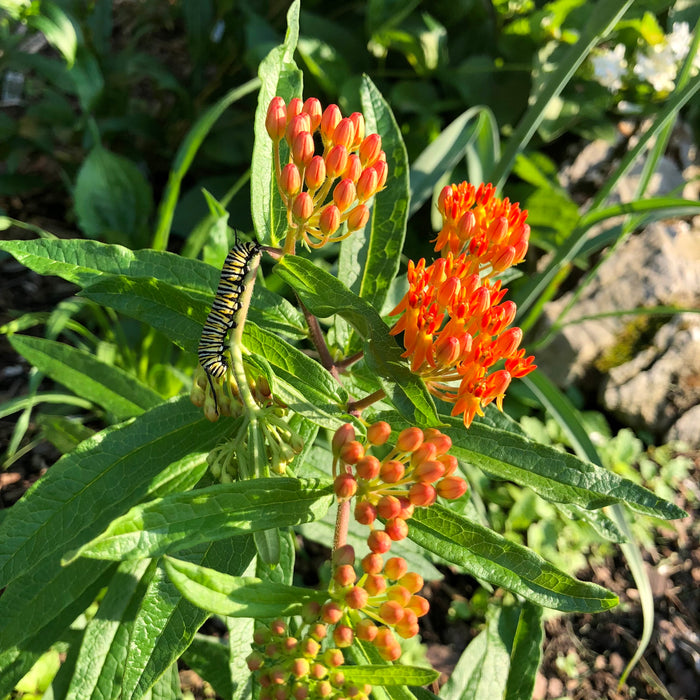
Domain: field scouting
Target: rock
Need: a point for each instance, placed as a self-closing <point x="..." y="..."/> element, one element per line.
<point x="649" y="375"/>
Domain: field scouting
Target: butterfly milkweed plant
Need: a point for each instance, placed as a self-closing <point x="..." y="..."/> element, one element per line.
<point x="345" y="395"/>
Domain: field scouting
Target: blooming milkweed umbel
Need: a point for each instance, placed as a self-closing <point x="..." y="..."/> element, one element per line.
<point x="224" y="311"/>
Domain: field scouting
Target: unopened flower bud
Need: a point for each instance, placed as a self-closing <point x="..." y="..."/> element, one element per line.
<point x="358" y="122"/>
<point x="367" y="184"/>
<point x="379" y="542"/>
<point x="353" y="169"/>
<point x="388" y="507"/>
<point x="344" y="575"/>
<point x="352" y="452"/>
<point x="329" y="220"/>
<point x="356" y="598"/>
<point x="276" y="119"/>
<point x="290" y="180"/>
<point x="344" y="434"/>
<point x="378" y="433"/>
<point x="345" y="486"/>
<point x="451" y="487"/>
<point x="298" y="125"/>
<point x="382" y="170"/>
<point x="329" y="121"/>
<point x="294" y="108"/>
<point x="358" y="217"/>
<point x="392" y="471"/>
<point x="422" y="494"/>
<point x="336" y="161"/>
<point x="373" y="563"/>
<point x="344" y="133"/>
<point x="331" y="613"/>
<point x="395" y="568"/>
<point x="369" y="149"/>
<point x="312" y="107"/>
<point x="315" y="174"/>
<point x="303" y="206"/>
<point x="397" y="529"/>
<point x="344" y="194"/>
<point x="366" y="630"/>
<point x="410" y="439"/>
<point x="365" y="513"/>
<point x="303" y="149"/>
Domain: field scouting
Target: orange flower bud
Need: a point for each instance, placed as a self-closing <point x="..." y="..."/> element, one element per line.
<point x="344" y="133"/>
<point x="344" y="575"/>
<point x="378" y="542"/>
<point x="318" y="671"/>
<point x="388" y="507"/>
<point x="395" y="568"/>
<point x="344" y="434"/>
<point x="390" y="612"/>
<point x="392" y="471"/>
<point x="372" y="563"/>
<point x="410" y="439"/>
<point x="422" y="494"/>
<point x="276" y="119"/>
<point x="329" y="121"/>
<point x="428" y="472"/>
<point x="397" y="529"/>
<point x="303" y="148"/>
<point x="315" y="173"/>
<point x="333" y="657"/>
<point x="343" y="636"/>
<point x="290" y="180"/>
<point x="367" y="184"/>
<point x="318" y="631"/>
<point x="344" y="194"/>
<point x="447" y="352"/>
<point x="369" y="149"/>
<point x="408" y="626"/>
<point x="378" y="433"/>
<point x="445" y="194"/>
<point x="353" y="169"/>
<point x="324" y="689"/>
<point x="418" y="605"/>
<point x="351" y="452"/>
<point x="426" y="451"/>
<point x="441" y="441"/>
<point x="312" y="107"/>
<point x="331" y="613"/>
<point x="375" y="584"/>
<point x="336" y="161"/>
<point x="310" y="647"/>
<point x="412" y="582"/>
<point x="498" y="231"/>
<point x="382" y="172"/>
<point x="505" y="259"/>
<point x="302" y="207"/>
<point x="366" y="630"/>
<point x="299" y="668"/>
<point x="356" y="598"/>
<point x="329" y="220"/>
<point x="296" y="126"/>
<point x="451" y="487"/>
<point x="294" y="108"/>
<point x="358" y="121"/>
<point x="368" y="468"/>
<point x="345" y="486"/>
<point x="358" y="218"/>
<point x="451" y="464"/>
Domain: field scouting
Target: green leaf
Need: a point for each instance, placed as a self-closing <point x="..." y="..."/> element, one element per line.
<point x="280" y="77"/>
<point x="482" y="669"/>
<point x="325" y="296"/>
<point x="187" y="519"/>
<point x="59" y="31"/>
<point x="84" y="262"/>
<point x="387" y="226"/>
<point x="554" y="475"/>
<point x="110" y="387"/>
<point x="76" y="500"/>
<point x="179" y="315"/>
<point x="165" y="623"/>
<point x="113" y="200"/>
<point x="306" y="387"/>
<point x="390" y="675"/>
<point x="490" y="557"/>
<point x="526" y="654"/>
<point x="237" y="596"/>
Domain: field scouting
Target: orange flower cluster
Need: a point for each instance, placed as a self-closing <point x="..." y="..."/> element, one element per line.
<point x="290" y="667"/>
<point x="411" y="474"/>
<point x="453" y="317"/>
<point x="491" y="230"/>
<point x="350" y="169"/>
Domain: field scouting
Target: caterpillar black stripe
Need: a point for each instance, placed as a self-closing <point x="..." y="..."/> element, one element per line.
<point x="224" y="310"/>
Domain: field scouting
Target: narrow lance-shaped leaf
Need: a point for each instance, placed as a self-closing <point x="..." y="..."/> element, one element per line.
<point x="238" y="596"/>
<point x="490" y="557"/>
<point x="390" y="675"/>
<point x="110" y="387"/>
<point x="185" y="520"/>
<point x="557" y="476"/>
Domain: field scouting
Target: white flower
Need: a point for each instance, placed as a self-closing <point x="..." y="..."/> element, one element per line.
<point x="609" y="67"/>
<point x="658" y="67"/>
<point x="679" y="40"/>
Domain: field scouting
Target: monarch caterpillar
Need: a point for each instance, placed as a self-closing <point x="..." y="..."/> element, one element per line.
<point x="224" y="310"/>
